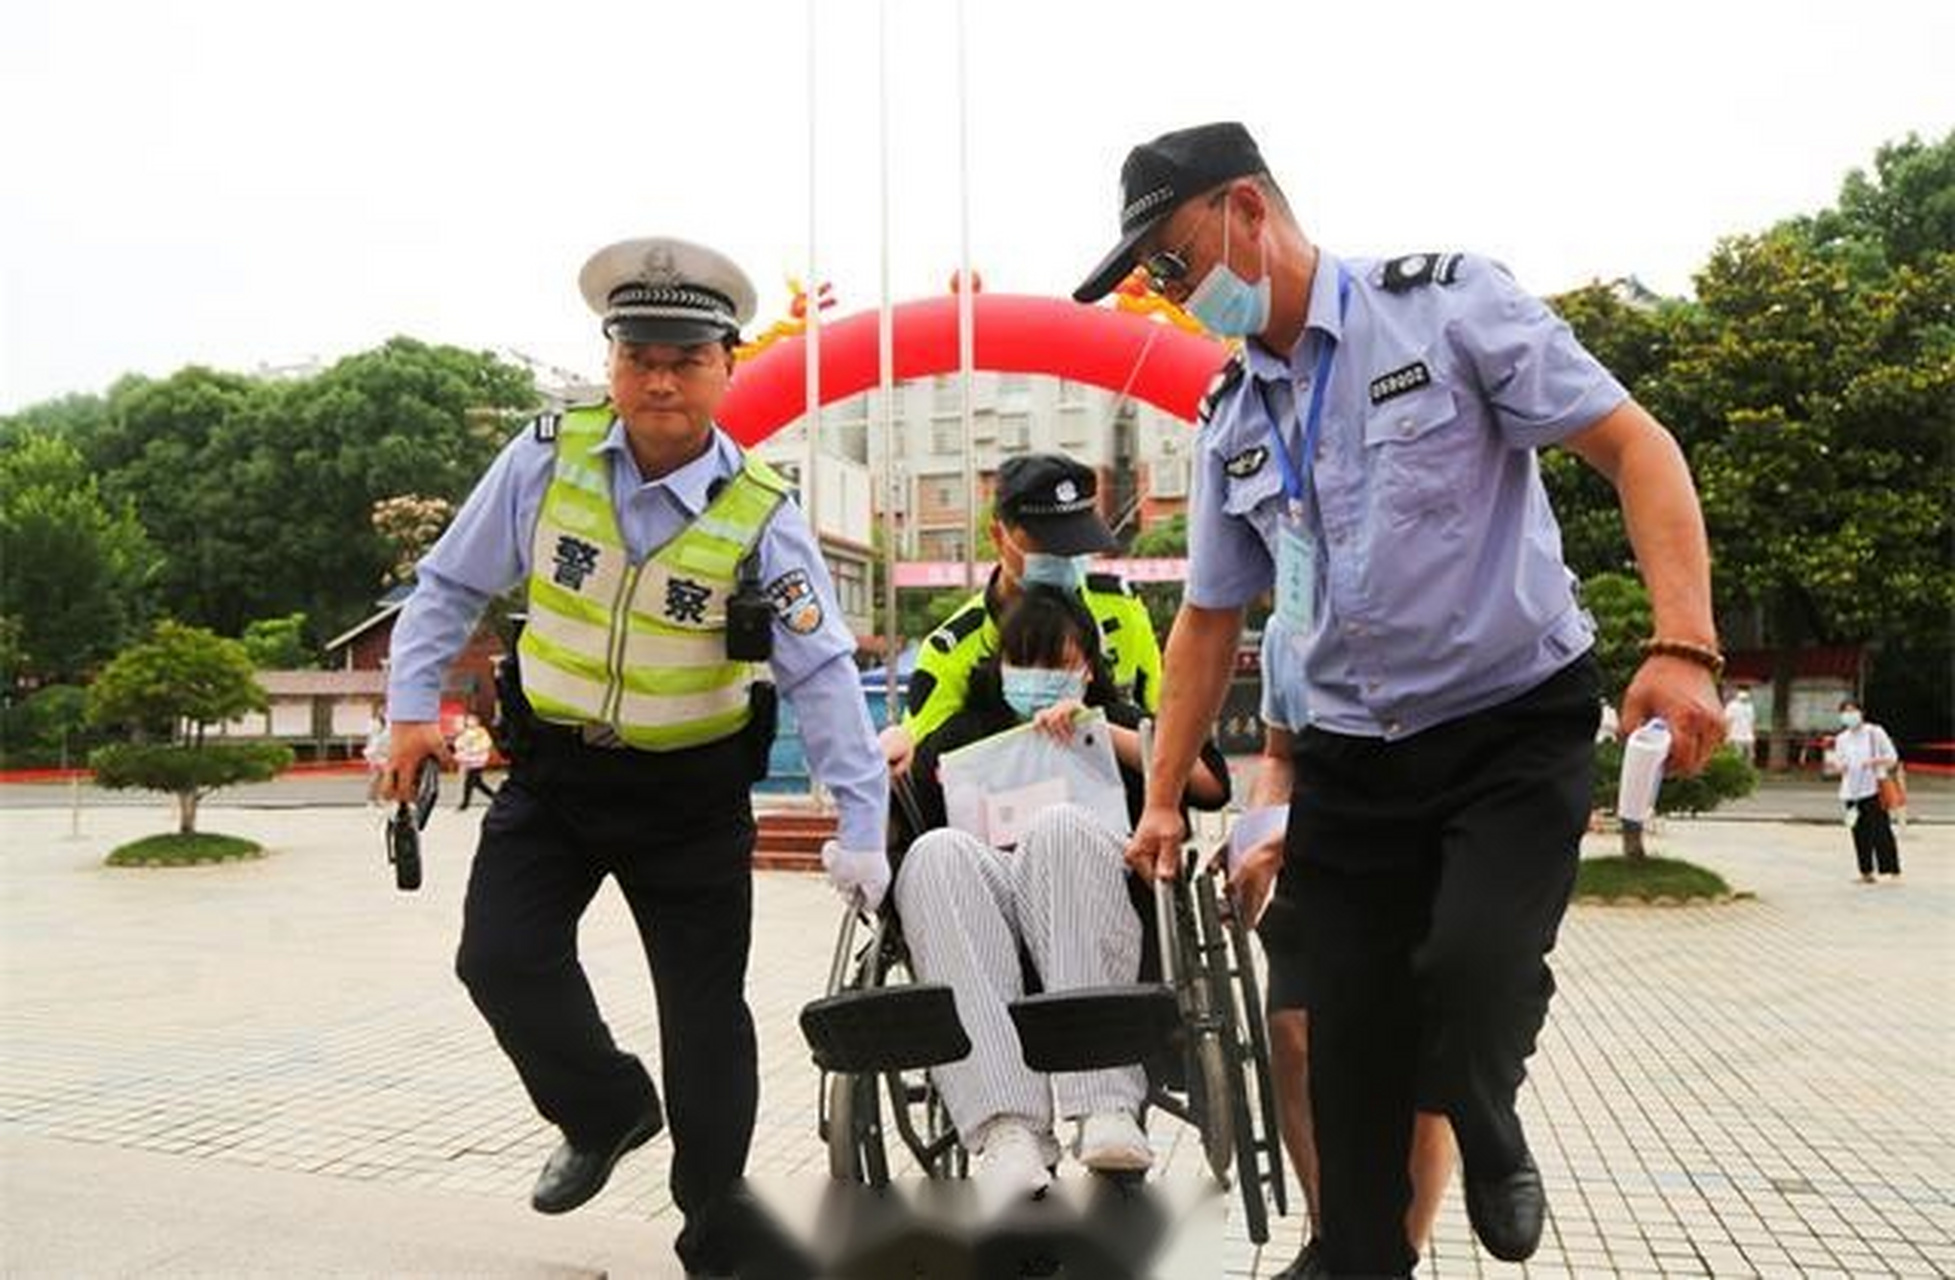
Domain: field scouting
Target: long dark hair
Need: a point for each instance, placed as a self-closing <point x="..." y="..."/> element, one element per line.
<point x="1043" y="625"/>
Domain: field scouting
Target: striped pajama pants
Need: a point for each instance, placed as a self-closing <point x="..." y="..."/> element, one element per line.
<point x="967" y="909"/>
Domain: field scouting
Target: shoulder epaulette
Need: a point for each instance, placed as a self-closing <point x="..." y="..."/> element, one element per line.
<point x="1416" y="269"/>
<point x="958" y="627"/>
<point x="1221" y="384"/>
<point x="544" y="427"/>
<point x="1108" y="584"/>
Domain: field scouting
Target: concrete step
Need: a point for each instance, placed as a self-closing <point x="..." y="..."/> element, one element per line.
<point x="791" y="841"/>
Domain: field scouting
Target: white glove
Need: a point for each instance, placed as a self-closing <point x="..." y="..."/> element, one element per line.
<point x="861" y="875"/>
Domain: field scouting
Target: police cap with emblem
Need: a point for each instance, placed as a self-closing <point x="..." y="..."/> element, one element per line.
<point x="1160" y="175"/>
<point x="1051" y="497"/>
<point x="667" y="291"/>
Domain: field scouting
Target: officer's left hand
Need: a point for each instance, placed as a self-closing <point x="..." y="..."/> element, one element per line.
<point x="861" y="875"/>
<point x="1685" y="696"/>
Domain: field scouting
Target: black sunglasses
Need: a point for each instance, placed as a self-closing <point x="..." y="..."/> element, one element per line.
<point x="409" y="820"/>
<point x="1165" y="268"/>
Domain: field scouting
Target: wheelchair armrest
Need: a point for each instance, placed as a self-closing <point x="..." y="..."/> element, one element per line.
<point x="885" y="1029"/>
<point x="1093" y="1028"/>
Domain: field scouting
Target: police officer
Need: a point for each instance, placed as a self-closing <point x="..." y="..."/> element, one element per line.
<point x="1047" y="528"/>
<point x="672" y="586"/>
<point x="1371" y="454"/>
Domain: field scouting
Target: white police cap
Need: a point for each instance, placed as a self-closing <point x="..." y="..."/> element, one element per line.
<point x="667" y="291"/>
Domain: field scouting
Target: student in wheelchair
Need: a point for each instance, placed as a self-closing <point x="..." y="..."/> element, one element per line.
<point x="1061" y="900"/>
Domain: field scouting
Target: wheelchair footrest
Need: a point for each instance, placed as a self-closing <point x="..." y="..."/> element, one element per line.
<point x="885" y="1029"/>
<point x="1095" y="1027"/>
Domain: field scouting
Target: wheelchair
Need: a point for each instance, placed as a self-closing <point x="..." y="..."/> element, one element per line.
<point x="1195" y="1021"/>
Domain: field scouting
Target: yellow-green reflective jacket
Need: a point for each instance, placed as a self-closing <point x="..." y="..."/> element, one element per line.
<point x="638" y="647"/>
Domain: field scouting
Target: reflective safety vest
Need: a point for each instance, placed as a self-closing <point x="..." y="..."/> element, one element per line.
<point x="638" y="647"/>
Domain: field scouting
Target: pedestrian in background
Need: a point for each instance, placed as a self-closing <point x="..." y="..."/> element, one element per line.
<point x="1741" y="725"/>
<point x="473" y="747"/>
<point x="1865" y="755"/>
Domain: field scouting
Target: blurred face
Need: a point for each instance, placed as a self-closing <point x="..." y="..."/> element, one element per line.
<point x="669" y="393"/>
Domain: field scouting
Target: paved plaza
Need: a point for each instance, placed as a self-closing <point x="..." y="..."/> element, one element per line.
<point x="268" y="1068"/>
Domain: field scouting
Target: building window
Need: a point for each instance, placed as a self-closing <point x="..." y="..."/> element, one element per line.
<point x="1169" y="478"/>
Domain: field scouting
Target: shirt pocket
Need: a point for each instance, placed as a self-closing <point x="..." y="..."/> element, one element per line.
<point x="1419" y="450"/>
<point x="1256" y="497"/>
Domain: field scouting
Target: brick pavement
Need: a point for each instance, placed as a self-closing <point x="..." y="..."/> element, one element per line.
<point x="1758" y="1089"/>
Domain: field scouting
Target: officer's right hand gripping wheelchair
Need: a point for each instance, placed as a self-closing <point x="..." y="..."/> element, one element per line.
<point x="1195" y="1020"/>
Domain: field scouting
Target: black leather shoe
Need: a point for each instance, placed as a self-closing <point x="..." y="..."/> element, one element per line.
<point x="1507" y="1212"/>
<point x="570" y="1176"/>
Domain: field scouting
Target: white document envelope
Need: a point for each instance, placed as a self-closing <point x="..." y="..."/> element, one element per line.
<point x="994" y="787"/>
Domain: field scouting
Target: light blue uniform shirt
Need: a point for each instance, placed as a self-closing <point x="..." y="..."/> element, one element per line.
<point x="1284" y="703"/>
<point x="486" y="551"/>
<point x="1440" y="587"/>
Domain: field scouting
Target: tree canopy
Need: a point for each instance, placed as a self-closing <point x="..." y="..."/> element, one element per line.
<point x="166" y="691"/>
<point x="1811" y="383"/>
<point x="261" y="493"/>
<point x="78" y="573"/>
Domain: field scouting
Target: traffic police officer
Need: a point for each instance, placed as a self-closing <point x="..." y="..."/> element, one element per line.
<point x="668" y="575"/>
<point x="1047" y="527"/>
<point x="1371" y="454"/>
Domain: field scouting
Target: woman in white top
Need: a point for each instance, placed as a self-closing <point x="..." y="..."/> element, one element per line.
<point x="1864" y="754"/>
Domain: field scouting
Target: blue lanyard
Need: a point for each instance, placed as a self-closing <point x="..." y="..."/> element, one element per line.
<point x="1295" y="476"/>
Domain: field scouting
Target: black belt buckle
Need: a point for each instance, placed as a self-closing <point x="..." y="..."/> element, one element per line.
<point x="409" y="820"/>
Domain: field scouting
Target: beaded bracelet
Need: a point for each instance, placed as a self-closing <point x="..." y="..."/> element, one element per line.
<point x="1703" y="655"/>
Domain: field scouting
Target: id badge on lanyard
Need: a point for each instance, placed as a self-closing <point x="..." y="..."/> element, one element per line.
<point x="1296" y="550"/>
<point x="1296" y="572"/>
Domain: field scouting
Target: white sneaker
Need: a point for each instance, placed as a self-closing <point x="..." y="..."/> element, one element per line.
<point x="1010" y="1166"/>
<point x="1113" y="1141"/>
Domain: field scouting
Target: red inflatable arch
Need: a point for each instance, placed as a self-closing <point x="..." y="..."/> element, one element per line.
<point x="1012" y="333"/>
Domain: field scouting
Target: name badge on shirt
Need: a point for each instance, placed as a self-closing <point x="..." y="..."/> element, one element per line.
<point x="1296" y="576"/>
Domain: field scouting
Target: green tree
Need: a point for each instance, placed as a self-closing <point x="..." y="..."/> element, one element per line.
<point x="1164" y="539"/>
<point x="263" y="492"/>
<point x="47" y="727"/>
<point x="278" y="644"/>
<point x="166" y="691"/>
<point x="1621" y="609"/>
<point x="1812" y="386"/>
<point x="77" y="572"/>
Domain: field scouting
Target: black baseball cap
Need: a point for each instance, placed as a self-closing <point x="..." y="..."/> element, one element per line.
<point x="1158" y="177"/>
<point x="1051" y="497"/>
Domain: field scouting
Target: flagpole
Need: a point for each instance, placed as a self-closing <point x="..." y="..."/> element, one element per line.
<point x="811" y="290"/>
<point x="886" y="380"/>
<point x="965" y="341"/>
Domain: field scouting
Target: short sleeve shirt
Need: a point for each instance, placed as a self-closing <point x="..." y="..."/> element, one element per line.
<point x="1440" y="583"/>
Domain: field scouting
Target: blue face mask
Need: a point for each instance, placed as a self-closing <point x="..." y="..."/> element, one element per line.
<point x="1062" y="573"/>
<point x="1226" y="304"/>
<point x="1030" y="690"/>
<point x="1849" y="719"/>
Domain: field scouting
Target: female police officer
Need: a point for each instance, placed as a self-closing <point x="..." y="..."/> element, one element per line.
<point x="662" y="566"/>
<point x="1371" y="455"/>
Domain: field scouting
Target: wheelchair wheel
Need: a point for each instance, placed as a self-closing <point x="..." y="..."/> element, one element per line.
<point x="1270" y="1139"/>
<point x="1243" y="1147"/>
<point x="855" y="1149"/>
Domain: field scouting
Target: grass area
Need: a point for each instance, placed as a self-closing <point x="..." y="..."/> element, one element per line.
<point x="1646" y="879"/>
<point x="178" y="850"/>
